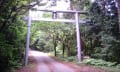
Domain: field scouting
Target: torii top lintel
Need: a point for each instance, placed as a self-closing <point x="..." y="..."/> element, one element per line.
<point x="61" y="11"/>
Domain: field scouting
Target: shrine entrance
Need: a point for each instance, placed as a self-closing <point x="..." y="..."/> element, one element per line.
<point x="54" y="18"/>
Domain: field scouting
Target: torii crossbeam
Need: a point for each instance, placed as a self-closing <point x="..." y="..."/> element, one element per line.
<point x="55" y="19"/>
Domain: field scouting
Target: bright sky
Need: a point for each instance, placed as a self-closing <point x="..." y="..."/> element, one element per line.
<point x="61" y="5"/>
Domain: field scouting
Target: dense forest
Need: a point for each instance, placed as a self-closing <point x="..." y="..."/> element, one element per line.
<point x="99" y="35"/>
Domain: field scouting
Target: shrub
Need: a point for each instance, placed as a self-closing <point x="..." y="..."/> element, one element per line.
<point x="99" y="62"/>
<point x="118" y="66"/>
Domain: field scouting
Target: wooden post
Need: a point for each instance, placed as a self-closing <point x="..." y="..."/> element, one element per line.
<point x="78" y="37"/>
<point x="28" y="39"/>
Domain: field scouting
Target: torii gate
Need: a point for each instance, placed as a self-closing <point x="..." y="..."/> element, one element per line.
<point x="54" y="18"/>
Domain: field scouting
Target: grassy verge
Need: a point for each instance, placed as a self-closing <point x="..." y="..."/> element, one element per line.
<point x="111" y="69"/>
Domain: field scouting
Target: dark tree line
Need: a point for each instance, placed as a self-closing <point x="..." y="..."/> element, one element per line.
<point x="104" y="30"/>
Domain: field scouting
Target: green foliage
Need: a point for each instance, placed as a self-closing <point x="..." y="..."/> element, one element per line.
<point x="99" y="62"/>
<point x="71" y="58"/>
<point x="118" y="66"/>
<point x="110" y="66"/>
<point x="11" y="49"/>
<point x="110" y="69"/>
<point x="11" y="35"/>
<point x="101" y="37"/>
<point x="4" y="53"/>
<point x="67" y="59"/>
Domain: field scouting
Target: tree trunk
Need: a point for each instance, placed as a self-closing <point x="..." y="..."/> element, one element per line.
<point x="55" y="45"/>
<point x="72" y="5"/>
<point x="55" y="52"/>
<point x="68" y="53"/>
<point x="68" y="49"/>
<point x="103" y="6"/>
<point x="118" y="9"/>
<point x="63" y="47"/>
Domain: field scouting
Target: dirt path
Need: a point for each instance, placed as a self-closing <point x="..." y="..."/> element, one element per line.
<point x="47" y="64"/>
<point x="41" y="62"/>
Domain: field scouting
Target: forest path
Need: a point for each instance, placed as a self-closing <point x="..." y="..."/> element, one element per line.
<point x="41" y="62"/>
<point x="47" y="64"/>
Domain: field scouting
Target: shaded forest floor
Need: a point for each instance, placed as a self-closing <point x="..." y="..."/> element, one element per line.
<point x="40" y="62"/>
